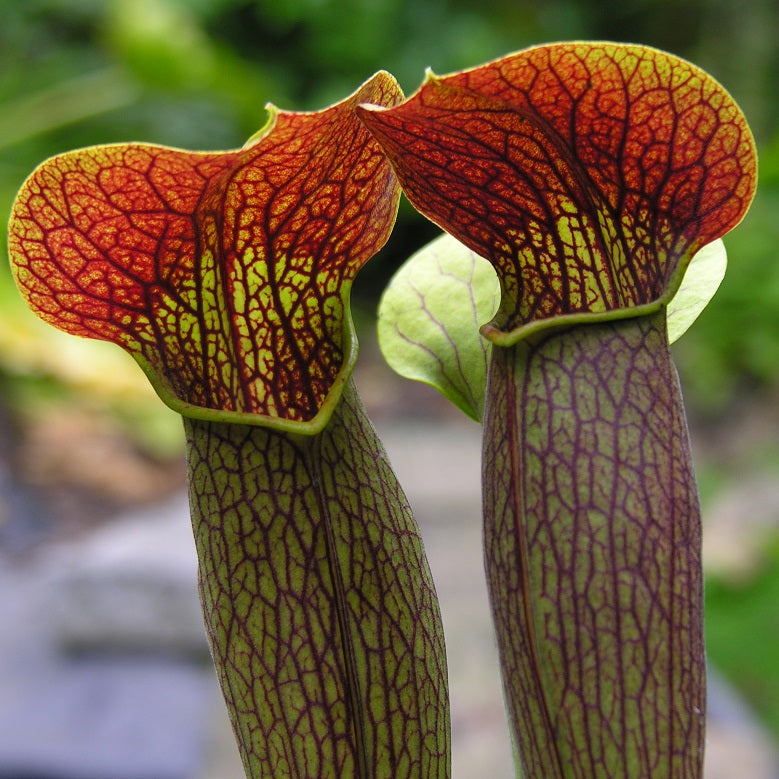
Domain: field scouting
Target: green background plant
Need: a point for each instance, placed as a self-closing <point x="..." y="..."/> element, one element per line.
<point x="196" y="74"/>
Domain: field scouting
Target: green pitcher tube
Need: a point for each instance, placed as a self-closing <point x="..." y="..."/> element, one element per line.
<point x="593" y="553"/>
<point x="318" y="600"/>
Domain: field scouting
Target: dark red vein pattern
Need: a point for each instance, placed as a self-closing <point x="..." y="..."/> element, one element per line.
<point x="588" y="174"/>
<point x="593" y="552"/>
<point x="225" y="274"/>
<point x="584" y="171"/>
<point x="325" y="629"/>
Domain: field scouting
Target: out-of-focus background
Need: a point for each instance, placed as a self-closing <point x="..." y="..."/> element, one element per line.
<point x="103" y="670"/>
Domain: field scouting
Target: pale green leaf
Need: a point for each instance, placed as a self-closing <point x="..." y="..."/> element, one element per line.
<point x="429" y="319"/>
<point x="701" y="280"/>
<point x="432" y="309"/>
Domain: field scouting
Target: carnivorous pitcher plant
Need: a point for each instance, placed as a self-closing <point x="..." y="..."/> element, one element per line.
<point x="227" y="276"/>
<point x="589" y="175"/>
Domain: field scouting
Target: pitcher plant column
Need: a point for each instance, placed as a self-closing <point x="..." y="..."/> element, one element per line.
<point x="227" y="277"/>
<point x="588" y="174"/>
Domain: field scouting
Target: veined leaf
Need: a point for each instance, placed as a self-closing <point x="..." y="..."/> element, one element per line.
<point x="700" y="283"/>
<point x="587" y="173"/>
<point x="429" y="319"/>
<point x="225" y="274"/>
<point x="433" y="307"/>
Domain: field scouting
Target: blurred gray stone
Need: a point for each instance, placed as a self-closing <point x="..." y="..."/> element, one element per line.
<point x="93" y="714"/>
<point x="132" y="584"/>
<point x="106" y="717"/>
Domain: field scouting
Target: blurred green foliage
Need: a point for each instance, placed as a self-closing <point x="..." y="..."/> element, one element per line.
<point x="742" y="634"/>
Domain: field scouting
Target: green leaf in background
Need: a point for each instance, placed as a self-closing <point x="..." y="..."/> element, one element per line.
<point x="701" y="280"/>
<point x="434" y="305"/>
<point x="429" y="319"/>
